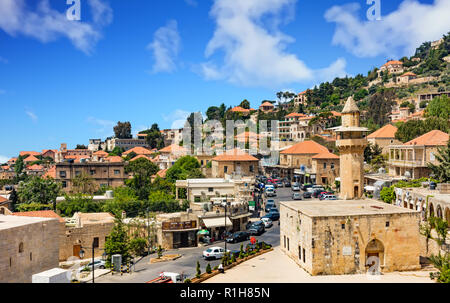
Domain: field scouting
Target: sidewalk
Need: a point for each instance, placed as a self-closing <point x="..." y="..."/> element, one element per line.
<point x="97" y="272"/>
<point x="282" y="269"/>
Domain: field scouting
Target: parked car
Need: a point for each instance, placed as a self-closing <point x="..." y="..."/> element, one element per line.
<point x="214" y="253"/>
<point x="274" y="216"/>
<point x="296" y="196"/>
<point x="307" y="195"/>
<point x="256" y="230"/>
<point x="305" y="186"/>
<point x="317" y="192"/>
<point x="295" y="187"/>
<point x="270" y="192"/>
<point x="257" y="223"/>
<point x="322" y="194"/>
<point x="287" y="183"/>
<point x="238" y="237"/>
<point x="267" y="222"/>
<point x="329" y="197"/>
<point x="98" y="264"/>
<point x="318" y="187"/>
<point x="279" y="183"/>
<point x="269" y="206"/>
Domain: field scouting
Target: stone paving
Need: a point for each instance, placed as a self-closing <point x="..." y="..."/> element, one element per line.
<point x="282" y="269"/>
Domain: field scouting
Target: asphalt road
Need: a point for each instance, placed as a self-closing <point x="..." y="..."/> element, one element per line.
<point x="144" y="271"/>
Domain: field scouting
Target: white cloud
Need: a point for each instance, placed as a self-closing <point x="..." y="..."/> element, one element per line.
<point x="177" y="117"/>
<point x="397" y="34"/>
<point x="191" y="2"/>
<point x="32" y="115"/>
<point x="103" y="127"/>
<point x="165" y="47"/>
<point x="3" y="159"/>
<point x="47" y="24"/>
<point x="254" y="48"/>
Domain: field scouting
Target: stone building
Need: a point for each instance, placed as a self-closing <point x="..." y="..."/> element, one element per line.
<point x="351" y="143"/>
<point x="104" y="174"/>
<point x="27" y="247"/>
<point x="413" y="157"/>
<point x="384" y="137"/>
<point x="350" y="237"/>
<point x="177" y="230"/>
<point x="234" y="163"/>
<point x="85" y="230"/>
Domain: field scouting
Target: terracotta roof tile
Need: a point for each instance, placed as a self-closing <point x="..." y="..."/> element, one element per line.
<point x="267" y="103"/>
<point x="325" y="155"/>
<point x="387" y="131"/>
<point x="35" y="167"/>
<point x="31" y="159"/>
<point x="393" y="62"/>
<point x="40" y="214"/>
<point x="240" y="109"/>
<point x="162" y="173"/>
<point x="51" y="173"/>
<point x="138" y="151"/>
<point x="432" y="138"/>
<point x="235" y="155"/>
<point x="101" y="153"/>
<point x="114" y="159"/>
<point x="305" y="147"/>
<point x="31" y="153"/>
<point x="2" y="199"/>
<point x="139" y="157"/>
<point x="293" y="115"/>
<point x="173" y="149"/>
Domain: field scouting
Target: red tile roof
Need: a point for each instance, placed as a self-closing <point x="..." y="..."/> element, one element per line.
<point x="141" y="156"/>
<point x="305" y="147"/>
<point x="240" y="109"/>
<point x="101" y="153"/>
<point x="31" y="159"/>
<point x="35" y="167"/>
<point x="432" y="138"/>
<point x="393" y="62"/>
<point x="293" y="115"/>
<point x="172" y="149"/>
<point x="162" y="173"/>
<point x="2" y="199"/>
<point x="408" y="74"/>
<point x="138" y="151"/>
<point x="235" y="155"/>
<point x="325" y="155"/>
<point x="114" y="159"/>
<point x="387" y="131"/>
<point x="51" y="173"/>
<point x="267" y="103"/>
<point x="31" y="153"/>
<point x="40" y="214"/>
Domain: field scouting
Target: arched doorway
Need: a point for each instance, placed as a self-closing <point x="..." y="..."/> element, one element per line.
<point x="374" y="256"/>
<point x="439" y="212"/>
<point x="356" y="192"/>
<point x="431" y="211"/>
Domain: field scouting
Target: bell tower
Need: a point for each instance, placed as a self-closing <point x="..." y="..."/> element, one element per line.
<point x="351" y="143"/>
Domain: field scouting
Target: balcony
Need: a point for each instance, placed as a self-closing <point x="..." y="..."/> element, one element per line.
<point x="351" y="142"/>
<point x="407" y="163"/>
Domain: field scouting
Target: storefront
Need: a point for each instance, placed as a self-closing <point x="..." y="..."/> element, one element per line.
<point x="216" y="226"/>
<point x="179" y="234"/>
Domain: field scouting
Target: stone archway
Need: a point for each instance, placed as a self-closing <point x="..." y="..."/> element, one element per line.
<point x="374" y="256"/>
<point x="439" y="212"/>
<point x="431" y="210"/>
<point x="447" y="215"/>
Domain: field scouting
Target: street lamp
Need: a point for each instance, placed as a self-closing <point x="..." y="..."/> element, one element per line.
<point x="226" y="203"/>
<point x="82" y="253"/>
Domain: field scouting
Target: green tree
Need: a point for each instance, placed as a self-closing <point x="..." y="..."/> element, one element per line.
<point x="186" y="167"/>
<point x="117" y="242"/>
<point x="125" y="200"/>
<point x="154" y="138"/>
<point x="208" y="269"/>
<point x="123" y="130"/>
<point x="439" y="107"/>
<point x="81" y="146"/>
<point x="442" y="170"/>
<point x="142" y="170"/>
<point x="245" y="104"/>
<point x="117" y="151"/>
<point x="138" y="246"/>
<point x="78" y="203"/>
<point x="387" y="194"/>
<point x="19" y="169"/>
<point x="39" y="190"/>
<point x="199" y="272"/>
<point x="84" y="184"/>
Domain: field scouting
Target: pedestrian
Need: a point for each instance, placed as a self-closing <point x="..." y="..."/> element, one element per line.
<point x="221" y="268"/>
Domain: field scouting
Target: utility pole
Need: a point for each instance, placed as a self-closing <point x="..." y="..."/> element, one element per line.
<point x="148" y="230"/>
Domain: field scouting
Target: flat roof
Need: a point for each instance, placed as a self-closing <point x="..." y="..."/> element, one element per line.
<point x="341" y="208"/>
<point x="7" y="222"/>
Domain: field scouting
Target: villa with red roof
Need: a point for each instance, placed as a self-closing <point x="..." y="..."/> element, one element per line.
<point x="300" y="99"/>
<point x="392" y="67"/>
<point x="411" y="159"/>
<point x="384" y="137"/>
<point x="234" y="162"/>
<point x="308" y="161"/>
<point x="267" y="107"/>
<point x="138" y="151"/>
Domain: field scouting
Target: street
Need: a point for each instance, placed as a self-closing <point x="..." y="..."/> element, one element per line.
<point x="144" y="271"/>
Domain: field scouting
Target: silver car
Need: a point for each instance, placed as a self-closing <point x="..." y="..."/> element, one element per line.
<point x="296" y="196"/>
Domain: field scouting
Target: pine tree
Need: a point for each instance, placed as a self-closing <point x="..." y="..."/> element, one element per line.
<point x="442" y="170"/>
<point x="118" y="242"/>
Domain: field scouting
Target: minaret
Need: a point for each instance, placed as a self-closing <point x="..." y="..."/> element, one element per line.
<point x="351" y="143"/>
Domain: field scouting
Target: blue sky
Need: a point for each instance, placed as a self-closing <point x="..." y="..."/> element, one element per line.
<point x="156" y="61"/>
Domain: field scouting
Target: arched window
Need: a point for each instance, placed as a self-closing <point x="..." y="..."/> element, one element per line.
<point x="21" y="247"/>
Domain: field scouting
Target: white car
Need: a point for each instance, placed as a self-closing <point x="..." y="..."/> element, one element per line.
<point x="98" y="264"/>
<point x="214" y="253"/>
<point x="267" y="222"/>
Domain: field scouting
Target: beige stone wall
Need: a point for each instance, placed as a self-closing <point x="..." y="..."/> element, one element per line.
<point x="218" y="168"/>
<point x="72" y="236"/>
<point x="352" y="172"/>
<point x="329" y="173"/>
<point x="400" y="240"/>
<point x="296" y="161"/>
<point x="384" y="143"/>
<point x="40" y="250"/>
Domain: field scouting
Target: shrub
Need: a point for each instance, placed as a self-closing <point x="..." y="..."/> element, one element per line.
<point x="159" y="252"/>
<point x="199" y="272"/>
<point x="233" y="258"/>
<point x="208" y="268"/>
<point x="216" y="267"/>
<point x="187" y="281"/>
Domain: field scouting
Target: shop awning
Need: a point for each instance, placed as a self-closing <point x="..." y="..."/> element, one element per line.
<point x="216" y="222"/>
<point x="369" y="188"/>
<point x="241" y="216"/>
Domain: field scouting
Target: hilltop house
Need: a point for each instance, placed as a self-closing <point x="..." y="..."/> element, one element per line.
<point x="384" y="137"/>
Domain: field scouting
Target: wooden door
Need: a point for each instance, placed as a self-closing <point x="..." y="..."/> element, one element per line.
<point x="76" y="250"/>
